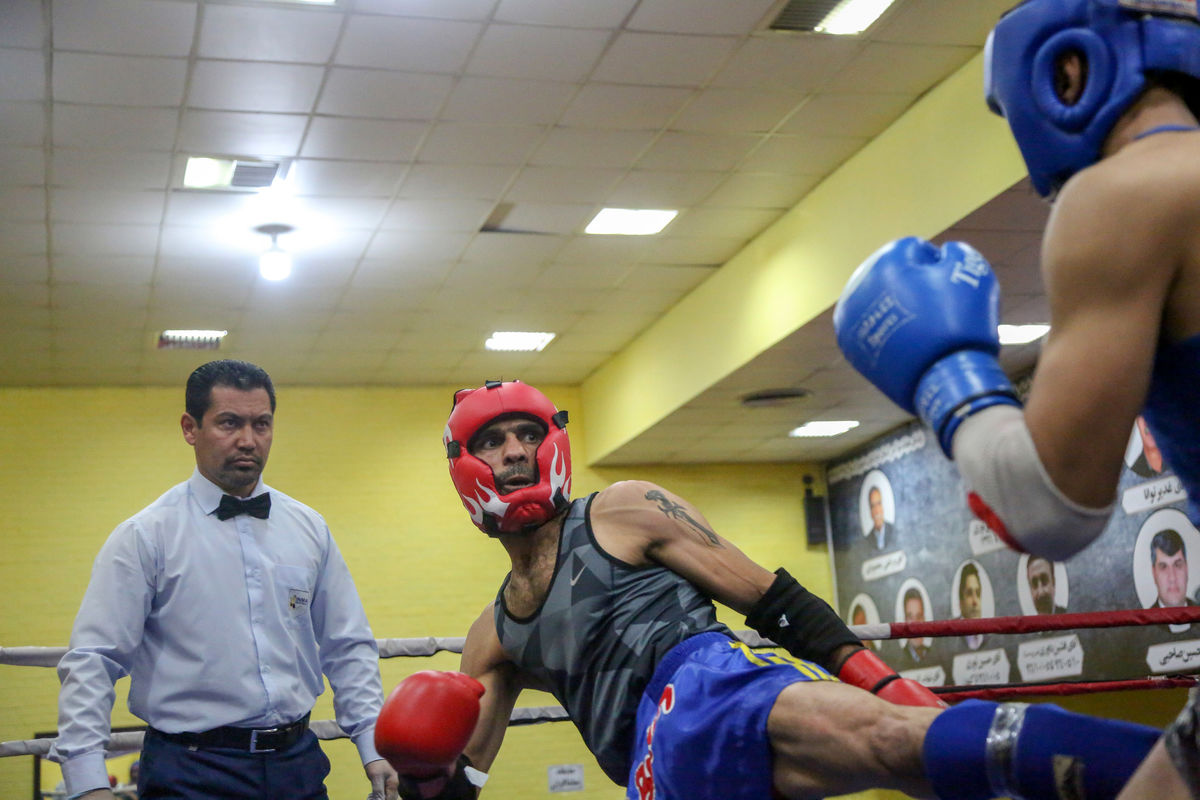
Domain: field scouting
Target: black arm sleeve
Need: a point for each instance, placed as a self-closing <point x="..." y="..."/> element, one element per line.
<point x="798" y="620"/>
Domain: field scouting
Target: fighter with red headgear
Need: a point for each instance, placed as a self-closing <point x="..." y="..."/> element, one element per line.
<point x="531" y="493"/>
<point x="609" y="606"/>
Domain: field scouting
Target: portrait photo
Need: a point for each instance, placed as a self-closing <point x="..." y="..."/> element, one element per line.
<point x="877" y="510"/>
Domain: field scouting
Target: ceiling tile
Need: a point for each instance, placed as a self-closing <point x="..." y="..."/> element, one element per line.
<point x="22" y="75"/>
<point x="456" y="180"/>
<point x="22" y="166"/>
<point x="709" y="251"/>
<point x="27" y="269"/>
<point x="34" y="294"/>
<point x="548" y="217"/>
<point x="567" y="147"/>
<point x="110" y="269"/>
<point x="757" y="190"/>
<point x="99" y="296"/>
<point x="112" y="128"/>
<point x="442" y="9"/>
<point x="21" y="23"/>
<point x="338" y="178"/>
<point x="96" y="205"/>
<point x="118" y="80"/>
<point x="417" y="45"/>
<point x="657" y="276"/>
<point x="847" y="114"/>
<point x="200" y="209"/>
<point x="562" y="185"/>
<point x="363" y="139"/>
<point x="903" y="68"/>
<point x="248" y="86"/>
<point x="737" y="110"/>
<point x="241" y="134"/>
<point x="593" y="249"/>
<point x="700" y="16"/>
<point x="567" y="277"/>
<point x="22" y="238"/>
<point x="129" y="27"/>
<point x="76" y="239"/>
<point x="941" y="22"/>
<point x="566" y="13"/>
<point x="268" y="34"/>
<point x="23" y="203"/>
<point x="805" y="155"/>
<point x="662" y="189"/>
<point x="387" y="95"/>
<point x="528" y="251"/>
<point x="675" y="150"/>
<point x="730" y="223"/>
<point x="450" y="142"/>
<point x="463" y="215"/>
<point x="407" y="245"/>
<point x="627" y="107"/>
<point x="505" y="101"/>
<point x="663" y="60"/>
<point x="22" y="123"/>
<point x="97" y="169"/>
<point x="803" y="62"/>
<point x="537" y="52"/>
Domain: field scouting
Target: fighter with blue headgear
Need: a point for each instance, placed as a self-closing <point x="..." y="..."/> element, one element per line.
<point x="1102" y="99"/>
<point x="1121" y="46"/>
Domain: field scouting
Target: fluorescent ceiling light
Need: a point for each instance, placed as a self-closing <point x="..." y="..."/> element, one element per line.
<point x="852" y="16"/>
<point x="630" y="221"/>
<point x="204" y="173"/>
<point x="190" y="339"/>
<point x="1022" y="334"/>
<point x="518" y="340"/>
<point x="824" y="428"/>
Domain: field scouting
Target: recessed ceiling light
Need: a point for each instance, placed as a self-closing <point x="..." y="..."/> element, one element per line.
<point x="190" y="339"/>
<point x="1022" y="334"/>
<point x="205" y="173"/>
<point x="518" y="340"/>
<point x="630" y="221"/>
<point x="824" y="428"/>
<point x="852" y="16"/>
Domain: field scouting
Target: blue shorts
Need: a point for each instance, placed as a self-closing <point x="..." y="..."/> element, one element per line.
<point x="702" y="721"/>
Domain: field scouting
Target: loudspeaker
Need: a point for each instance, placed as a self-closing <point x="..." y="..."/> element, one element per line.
<point x="815" y="518"/>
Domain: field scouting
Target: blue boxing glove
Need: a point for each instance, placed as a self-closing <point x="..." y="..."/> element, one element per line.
<point x="919" y="321"/>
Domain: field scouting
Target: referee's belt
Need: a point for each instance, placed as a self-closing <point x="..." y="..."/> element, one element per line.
<point x="252" y="740"/>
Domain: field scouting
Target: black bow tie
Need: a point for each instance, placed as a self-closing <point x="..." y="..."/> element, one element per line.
<point x="256" y="506"/>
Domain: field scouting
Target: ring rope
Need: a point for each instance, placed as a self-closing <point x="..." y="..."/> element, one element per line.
<point x="424" y="646"/>
<point x="1033" y="624"/>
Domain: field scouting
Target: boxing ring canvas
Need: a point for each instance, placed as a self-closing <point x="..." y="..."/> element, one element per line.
<point x="904" y="545"/>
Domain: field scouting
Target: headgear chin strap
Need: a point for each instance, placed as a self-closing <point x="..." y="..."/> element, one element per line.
<point x="528" y="506"/>
<point x="1121" y="42"/>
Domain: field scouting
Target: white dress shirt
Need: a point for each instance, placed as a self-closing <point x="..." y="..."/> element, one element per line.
<point x="217" y="623"/>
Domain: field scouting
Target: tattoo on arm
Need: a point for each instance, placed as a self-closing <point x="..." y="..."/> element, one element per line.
<point x="677" y="512"/>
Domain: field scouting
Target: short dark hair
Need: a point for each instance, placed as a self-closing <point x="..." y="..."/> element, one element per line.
<point x="1169" y="542"/>
<point x="914" y="594"/>
<point x="225" y="372"/>
<point x="968" y="569"/>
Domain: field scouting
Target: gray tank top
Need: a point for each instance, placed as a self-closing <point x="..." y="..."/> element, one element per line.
<point x="599" y="634"/>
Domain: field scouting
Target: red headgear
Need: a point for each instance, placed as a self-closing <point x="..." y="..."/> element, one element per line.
<point x="528" y="506"/>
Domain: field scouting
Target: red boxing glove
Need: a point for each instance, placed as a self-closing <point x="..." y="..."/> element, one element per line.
<point x="427" y="721"/>
<point x="867" y="671"/>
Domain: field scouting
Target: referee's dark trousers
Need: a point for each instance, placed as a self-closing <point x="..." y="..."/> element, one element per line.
<point x="176" y="768"/>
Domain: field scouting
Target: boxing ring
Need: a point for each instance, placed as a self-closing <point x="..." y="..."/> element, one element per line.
<point x="124" y="742"/>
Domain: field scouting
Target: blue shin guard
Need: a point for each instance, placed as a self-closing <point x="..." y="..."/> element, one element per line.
<point x="979" y="750"/>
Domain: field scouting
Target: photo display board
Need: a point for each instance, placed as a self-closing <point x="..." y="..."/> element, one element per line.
<point x="905" y="546"/>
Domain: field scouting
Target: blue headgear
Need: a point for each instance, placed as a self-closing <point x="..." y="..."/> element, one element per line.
<point x="1120" y="41"/>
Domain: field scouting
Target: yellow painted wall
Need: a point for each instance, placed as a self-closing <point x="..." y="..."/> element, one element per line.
<point x="76" y="462"/>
